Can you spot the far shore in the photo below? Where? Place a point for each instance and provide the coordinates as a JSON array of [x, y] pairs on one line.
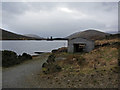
[[37, 39]]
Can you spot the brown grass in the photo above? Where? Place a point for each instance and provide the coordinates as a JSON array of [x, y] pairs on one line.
[[100, 42], [99, 69]]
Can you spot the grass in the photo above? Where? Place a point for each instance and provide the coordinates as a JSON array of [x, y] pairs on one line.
[[100, 42], [97, 68]]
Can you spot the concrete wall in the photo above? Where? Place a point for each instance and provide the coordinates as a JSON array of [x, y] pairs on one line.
[[89, 44]]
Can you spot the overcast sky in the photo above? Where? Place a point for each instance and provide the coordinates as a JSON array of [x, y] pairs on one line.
[[59, 19]]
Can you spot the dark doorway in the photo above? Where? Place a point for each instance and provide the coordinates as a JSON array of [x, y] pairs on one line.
[[79, 47]]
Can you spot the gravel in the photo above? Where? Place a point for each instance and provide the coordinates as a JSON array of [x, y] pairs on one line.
[[16, 76]]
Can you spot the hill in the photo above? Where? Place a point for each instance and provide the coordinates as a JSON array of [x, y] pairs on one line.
[[6, 35], [96, 69], [33, 36], [89, 34]]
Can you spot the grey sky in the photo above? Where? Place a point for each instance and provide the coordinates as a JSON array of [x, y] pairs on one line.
[[59, 19]]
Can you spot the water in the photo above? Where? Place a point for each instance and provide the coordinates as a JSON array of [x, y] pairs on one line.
[[31, 46]]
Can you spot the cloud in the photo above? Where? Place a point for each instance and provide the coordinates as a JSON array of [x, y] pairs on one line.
[[64, 9], [0, 14], [59, 19]]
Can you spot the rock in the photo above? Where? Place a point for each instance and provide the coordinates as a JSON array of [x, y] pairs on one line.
[[48, 77], [63, 49], [59, 83], [77, 70], [54, 51], [74, 59], [68, 80], [92, 75]]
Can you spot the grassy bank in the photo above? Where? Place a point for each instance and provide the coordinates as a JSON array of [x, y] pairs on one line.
[[96, 69]]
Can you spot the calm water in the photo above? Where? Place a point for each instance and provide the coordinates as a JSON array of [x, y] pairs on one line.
[[32, 46]]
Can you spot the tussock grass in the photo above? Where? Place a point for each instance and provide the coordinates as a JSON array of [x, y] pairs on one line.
[[96, 69]]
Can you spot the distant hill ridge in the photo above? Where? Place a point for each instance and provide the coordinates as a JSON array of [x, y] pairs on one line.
[[6, 35], [33, 35], [89, 34]]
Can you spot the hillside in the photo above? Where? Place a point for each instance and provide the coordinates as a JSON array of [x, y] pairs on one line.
[[96, 69], [89, 34], [33, 36], [6, 35]]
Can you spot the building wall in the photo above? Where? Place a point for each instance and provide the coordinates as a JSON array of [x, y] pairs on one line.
[[89, 44]]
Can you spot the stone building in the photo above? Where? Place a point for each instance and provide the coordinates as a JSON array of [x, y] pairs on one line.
[[80, 45]]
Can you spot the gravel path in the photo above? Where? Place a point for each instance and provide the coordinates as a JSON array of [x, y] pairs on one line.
[[16, 77], [0, 78]]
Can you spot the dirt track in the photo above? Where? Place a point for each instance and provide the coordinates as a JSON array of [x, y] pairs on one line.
[[16, 76]]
